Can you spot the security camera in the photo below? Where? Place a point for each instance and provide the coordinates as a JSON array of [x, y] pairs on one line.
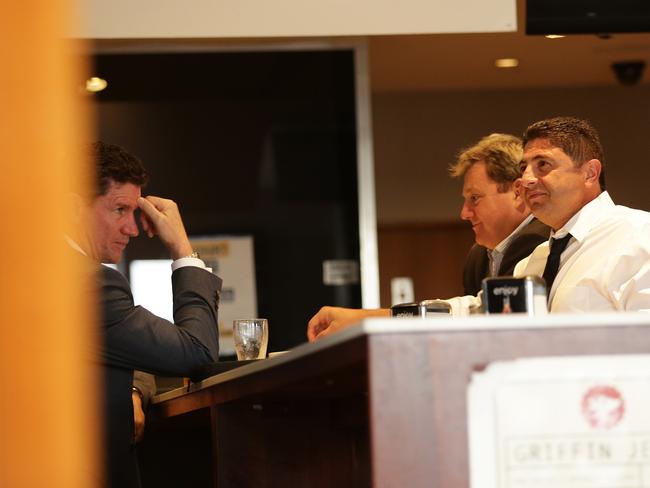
[[628, 72]]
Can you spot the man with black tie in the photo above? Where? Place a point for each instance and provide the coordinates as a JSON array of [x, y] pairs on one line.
[[598, 258], [503, 228], [132, 337]]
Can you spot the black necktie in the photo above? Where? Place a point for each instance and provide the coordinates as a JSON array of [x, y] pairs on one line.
[[553, 262]]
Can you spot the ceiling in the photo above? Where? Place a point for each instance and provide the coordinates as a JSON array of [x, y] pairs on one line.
[[466, 61], [427, 62]]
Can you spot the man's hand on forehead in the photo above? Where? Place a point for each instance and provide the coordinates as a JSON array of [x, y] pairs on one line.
[[161, 217], [147, 225]]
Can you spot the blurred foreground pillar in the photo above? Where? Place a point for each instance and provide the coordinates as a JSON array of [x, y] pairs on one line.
[[48, 401]]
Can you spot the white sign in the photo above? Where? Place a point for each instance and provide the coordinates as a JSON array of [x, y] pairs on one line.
[[232, 259], [570, 422], [337, 272], [151, 285]]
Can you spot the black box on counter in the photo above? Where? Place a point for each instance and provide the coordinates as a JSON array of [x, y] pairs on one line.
[[505, 294], [425, 308]]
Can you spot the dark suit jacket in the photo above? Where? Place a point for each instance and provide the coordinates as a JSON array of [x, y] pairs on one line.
[[477, 265], [134, 338], [146, 384]]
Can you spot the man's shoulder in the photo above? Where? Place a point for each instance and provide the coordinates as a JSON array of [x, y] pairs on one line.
[[477, 261], [111, 271], [111, 277], [529, 238], [624, 222], [476, 252], [523, 244], [629, 216], [535, 228]]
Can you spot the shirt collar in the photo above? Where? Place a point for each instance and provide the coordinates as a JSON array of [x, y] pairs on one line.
[[584, 220], [503, 245]]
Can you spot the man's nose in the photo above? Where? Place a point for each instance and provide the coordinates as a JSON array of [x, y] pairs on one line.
[[466, 212], [130, 227], [527, 177]]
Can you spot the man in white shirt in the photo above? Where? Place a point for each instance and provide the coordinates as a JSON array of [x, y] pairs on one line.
[[504, 230], [606, 263]]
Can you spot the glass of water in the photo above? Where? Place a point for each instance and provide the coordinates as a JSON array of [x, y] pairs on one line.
[[251, 338]]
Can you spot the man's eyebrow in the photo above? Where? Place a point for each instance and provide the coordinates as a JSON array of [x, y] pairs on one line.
[[118, 202], [539, 155]]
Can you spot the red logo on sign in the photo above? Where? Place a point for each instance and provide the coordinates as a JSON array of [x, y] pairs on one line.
[[603, 407]]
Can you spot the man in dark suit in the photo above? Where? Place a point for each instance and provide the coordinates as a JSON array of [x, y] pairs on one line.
[[132, 337], [504, 229], [477, 264]]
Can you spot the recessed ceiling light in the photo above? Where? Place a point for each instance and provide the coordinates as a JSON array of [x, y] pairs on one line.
[[506, 63], [95, 84], [554, 36]]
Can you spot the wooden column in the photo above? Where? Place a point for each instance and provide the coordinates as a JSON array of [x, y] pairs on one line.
[[48, 407]]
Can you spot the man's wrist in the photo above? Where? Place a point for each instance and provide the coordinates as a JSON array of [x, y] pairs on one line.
[[183, 251]]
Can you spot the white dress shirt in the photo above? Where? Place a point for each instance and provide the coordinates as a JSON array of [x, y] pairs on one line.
[[605, 267]]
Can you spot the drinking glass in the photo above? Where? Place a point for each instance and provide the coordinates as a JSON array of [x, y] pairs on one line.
[[251, 338]]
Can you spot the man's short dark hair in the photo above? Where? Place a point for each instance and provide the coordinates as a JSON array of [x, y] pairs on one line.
[[576, 137], [115, 164]]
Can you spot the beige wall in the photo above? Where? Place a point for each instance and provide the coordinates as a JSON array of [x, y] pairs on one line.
[[416, 136]]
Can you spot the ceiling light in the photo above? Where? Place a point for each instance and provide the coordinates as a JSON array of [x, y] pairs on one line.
[[506, 63], [95, 84], [554, 36]]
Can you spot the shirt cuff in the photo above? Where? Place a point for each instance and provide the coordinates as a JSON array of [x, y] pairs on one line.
[[195, 262], [461, 306]]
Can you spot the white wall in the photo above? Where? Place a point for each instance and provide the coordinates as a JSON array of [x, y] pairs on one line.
[[164, 19], [417, 135]]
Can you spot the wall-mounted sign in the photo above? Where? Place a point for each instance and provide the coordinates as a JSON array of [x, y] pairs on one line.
[[340, 272], [230, 257]]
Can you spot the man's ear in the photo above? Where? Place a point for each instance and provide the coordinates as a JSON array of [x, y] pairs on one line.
[[591, 170], [518, 190]]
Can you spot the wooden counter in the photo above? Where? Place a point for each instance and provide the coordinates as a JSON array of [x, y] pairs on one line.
[[382, 404]]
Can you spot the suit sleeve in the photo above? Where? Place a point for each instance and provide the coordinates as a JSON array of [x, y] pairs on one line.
[[476, 268], [146, 384], [134, 338]]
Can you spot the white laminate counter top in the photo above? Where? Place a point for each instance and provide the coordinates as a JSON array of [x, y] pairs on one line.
[[446, 324]]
